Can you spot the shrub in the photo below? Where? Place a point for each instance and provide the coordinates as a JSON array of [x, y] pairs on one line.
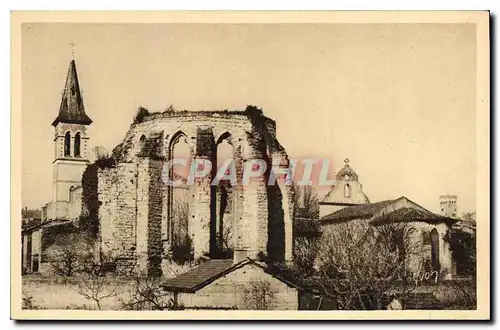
[[140, 115]]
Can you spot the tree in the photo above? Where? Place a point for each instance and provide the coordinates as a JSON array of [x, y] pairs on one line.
[[360, 264], [95, 288], [170, 108], [469, 216], [67, 252], [305, 252], [181, 242], [140, 115], [306, 203], [463, 250], [93, 285], [146, 294], [100, 152], [27, 300], [306, 245], [259, 295]]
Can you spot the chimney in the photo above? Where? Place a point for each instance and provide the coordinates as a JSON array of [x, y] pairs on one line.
[[239, 256]]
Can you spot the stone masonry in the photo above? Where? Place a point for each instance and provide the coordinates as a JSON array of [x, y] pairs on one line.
[[133, 197]]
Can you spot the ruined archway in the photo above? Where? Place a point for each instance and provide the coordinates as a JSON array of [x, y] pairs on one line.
[[175, 218], [261, 215], [222, 195]]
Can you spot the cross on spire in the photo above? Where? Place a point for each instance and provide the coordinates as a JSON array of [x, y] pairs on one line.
[[72, 44], [72, 110]]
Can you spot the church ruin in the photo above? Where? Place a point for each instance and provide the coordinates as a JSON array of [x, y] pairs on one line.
[[136, 207]]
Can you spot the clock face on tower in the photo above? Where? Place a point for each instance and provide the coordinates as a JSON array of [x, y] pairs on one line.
[[346, 177]]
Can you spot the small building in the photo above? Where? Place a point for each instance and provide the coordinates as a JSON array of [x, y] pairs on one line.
[[346, 202], [224, 284], [34, 242]]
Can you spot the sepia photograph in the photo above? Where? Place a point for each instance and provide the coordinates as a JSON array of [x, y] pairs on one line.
[[230, 165]]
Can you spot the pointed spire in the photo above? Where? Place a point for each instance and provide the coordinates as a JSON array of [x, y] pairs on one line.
[[71, 110]]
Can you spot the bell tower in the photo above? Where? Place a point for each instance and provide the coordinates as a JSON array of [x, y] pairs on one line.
[[70, 144]]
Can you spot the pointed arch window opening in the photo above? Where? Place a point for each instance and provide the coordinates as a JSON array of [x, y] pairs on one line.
[[77, 144], [142, 145], [67, 144], [177, 222], [347, 191], [222, 202], [435, 262]]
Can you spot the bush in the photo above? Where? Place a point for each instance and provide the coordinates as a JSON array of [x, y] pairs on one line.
[[140, 115], [68, 253]]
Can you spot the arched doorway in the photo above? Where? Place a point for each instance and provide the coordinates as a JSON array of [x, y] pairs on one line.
[[435, 250]]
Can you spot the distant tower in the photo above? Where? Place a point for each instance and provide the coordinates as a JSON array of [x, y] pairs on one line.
[[70, 144], [346, 191], [448, 205]]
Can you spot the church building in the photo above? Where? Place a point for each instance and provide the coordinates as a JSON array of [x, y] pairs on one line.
[[346, 202], [71, 151]]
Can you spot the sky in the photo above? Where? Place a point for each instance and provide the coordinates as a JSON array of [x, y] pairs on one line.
[[398, 100]]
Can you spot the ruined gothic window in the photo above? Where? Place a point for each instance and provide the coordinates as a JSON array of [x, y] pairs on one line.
[[347, 191], [67, 144], [77, 145], [142, 144]]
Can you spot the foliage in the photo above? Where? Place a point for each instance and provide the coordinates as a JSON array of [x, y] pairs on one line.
[[306, 202], [259, 295], [181, 247], [170, 108], [305, 252], [140, 115], [27, 300], [307, 243], [459, 295], [146, 294], [106, 162], [463, 249], [359, 264], [100, 152], [74, 254], [93, 284], [95, 288], [65, 256]]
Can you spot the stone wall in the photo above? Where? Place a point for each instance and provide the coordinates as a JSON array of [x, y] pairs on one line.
[[245, 288], [134, 199], [118, 211]]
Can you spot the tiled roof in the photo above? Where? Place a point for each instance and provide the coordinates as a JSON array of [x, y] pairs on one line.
[[196, 277], [209, 271], [71, 109], [363, 211], [39, 225], [409, 214], [389, 211]]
